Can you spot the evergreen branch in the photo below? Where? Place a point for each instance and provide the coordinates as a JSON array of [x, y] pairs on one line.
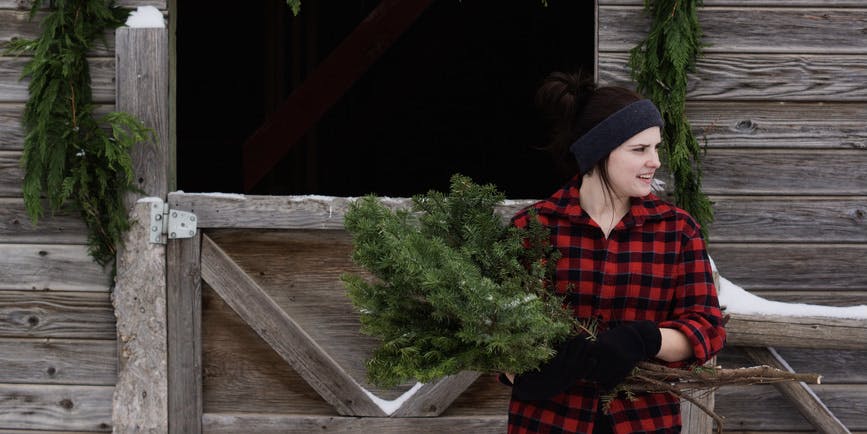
[[68, 154], [455, 288], [659, 65]]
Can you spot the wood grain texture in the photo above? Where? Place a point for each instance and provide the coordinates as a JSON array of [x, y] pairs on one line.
[[184, 334], [749, 30], [753, 124], [79, 315], [695, 420], [485, 397], [795, 172], [434, 397], [761, 408], [58, 361], [788, 219], [241, 373], [139, 299], [835, 366], [143, 91], [44, 267], [799, 394], [790, 267], [55, 407], [751, 3], [64, 227], [14, 90], [11, 131], [769, 77], [796, 332], [11, 174], [826, 298], [237, 211], [282, 333], [27, 4], [231, 423]]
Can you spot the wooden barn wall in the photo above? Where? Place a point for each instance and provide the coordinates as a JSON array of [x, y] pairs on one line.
[[58, 357], [780, 101]]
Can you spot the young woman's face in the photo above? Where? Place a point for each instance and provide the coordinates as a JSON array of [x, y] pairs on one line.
[[632, 164]]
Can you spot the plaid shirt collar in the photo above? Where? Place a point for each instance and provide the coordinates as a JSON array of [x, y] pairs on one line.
[[565, 204]]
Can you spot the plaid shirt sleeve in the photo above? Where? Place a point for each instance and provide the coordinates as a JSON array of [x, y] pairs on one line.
[[696, 310]]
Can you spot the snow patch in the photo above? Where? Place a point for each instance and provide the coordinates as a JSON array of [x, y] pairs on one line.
[[146, 17], [737, 300], [390, 407]]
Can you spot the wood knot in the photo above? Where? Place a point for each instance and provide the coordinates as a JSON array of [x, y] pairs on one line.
[[43, 253], [33, 321], [51, 370], [67, 404], [746, 125]]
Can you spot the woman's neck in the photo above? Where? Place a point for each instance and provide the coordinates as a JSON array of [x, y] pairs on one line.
[[604, 206]]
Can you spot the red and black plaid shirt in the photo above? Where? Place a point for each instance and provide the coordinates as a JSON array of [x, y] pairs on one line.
[[653, 266]]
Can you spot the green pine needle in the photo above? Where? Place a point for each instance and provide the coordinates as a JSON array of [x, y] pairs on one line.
[[455, 288], [659, 65], [71, 157]]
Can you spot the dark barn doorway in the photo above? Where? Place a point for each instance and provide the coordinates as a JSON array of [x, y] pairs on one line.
[[453, 94]]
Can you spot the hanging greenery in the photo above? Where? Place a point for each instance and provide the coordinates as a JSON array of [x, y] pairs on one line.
[[659, 65], [70, 155]]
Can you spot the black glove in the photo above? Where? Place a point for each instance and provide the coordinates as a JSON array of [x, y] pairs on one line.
[[619, 349], [556, 375]]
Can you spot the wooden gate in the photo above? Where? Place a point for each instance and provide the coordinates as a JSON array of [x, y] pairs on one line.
[[262, 337]]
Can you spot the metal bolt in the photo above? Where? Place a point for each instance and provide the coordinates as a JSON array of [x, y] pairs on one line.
[[174, 235], [158, 217], [174, 214], [154, 228]]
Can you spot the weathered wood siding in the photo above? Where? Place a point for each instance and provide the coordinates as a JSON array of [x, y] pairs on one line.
[[780, 100], [58, 350]]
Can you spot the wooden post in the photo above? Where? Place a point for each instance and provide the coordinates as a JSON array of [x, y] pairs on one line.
[[143, 91], [139, 402], [184, 325]]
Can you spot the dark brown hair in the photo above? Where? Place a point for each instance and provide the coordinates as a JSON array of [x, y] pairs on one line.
[[572, 105]]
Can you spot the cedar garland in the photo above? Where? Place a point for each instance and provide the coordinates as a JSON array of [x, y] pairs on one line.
[[659, 65], [70, 155]]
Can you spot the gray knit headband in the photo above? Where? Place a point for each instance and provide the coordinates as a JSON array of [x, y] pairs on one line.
[[607, 135]]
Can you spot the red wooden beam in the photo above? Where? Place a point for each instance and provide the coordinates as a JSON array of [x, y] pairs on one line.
[[325, 85]]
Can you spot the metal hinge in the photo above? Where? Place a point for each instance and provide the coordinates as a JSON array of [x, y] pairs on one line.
[[171, 224]]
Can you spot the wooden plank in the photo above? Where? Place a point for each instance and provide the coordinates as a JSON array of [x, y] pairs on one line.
[[695, 420], [238, 211], [433, 398], [749, 30], [241, 373], [801, 172], [788, 219], [139, 299], [804, 399], [58, 361], [769, 77], [835, 366], [11, 131], [752, 3], [26, 4], [14, 90], [827, 298], [790, 267], [143, 91], [324, 86], [282, 333], [486, 397], [65, 227], [184, 334], [45, 267], [272, 423], [796, 332], [761, 408], [54, 407], [301, 271], [79, 315], [11, 174], [753, 124]]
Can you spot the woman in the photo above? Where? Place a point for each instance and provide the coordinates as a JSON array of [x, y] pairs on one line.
[[632, 263]]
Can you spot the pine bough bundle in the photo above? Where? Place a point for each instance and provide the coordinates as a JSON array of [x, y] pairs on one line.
[[456, 288]]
